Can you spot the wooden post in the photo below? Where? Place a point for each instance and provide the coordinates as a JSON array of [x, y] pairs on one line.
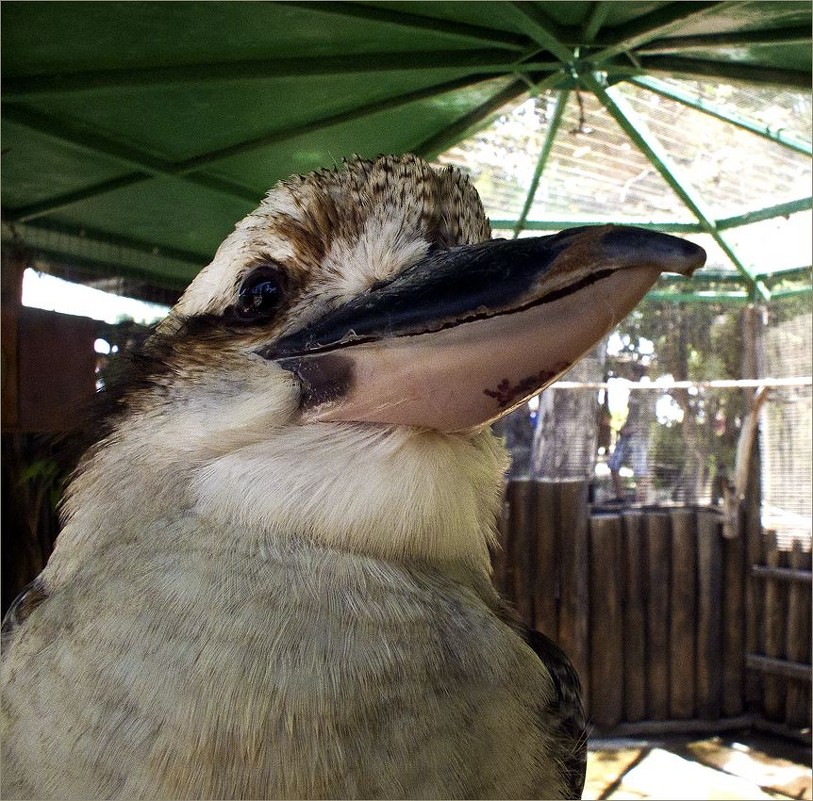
[[606, 622], [12, 267], [574, 614], [521, 556], [546, 618], [734, 579], [683, 604], [773, 696], [752, 325], [658, 557], [709, 616], [634, 575], [797, 714]]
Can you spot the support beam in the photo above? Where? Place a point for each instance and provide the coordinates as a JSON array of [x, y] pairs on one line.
[[769, 213], [132, 258], [709, 68], [104, 238], [788, 273], [692, 100], [647, 143], [81, 135], [39, 209], [573, 222], [713, 41], [85, 136], [595, 19], [792, 293], [553, 128], [365, 110], [420, 22], [544, 30], [494, 60], [479, 117], [650, 26], [698, 297], [707, 275]]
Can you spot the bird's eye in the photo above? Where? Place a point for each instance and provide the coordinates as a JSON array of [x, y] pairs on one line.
[[260, 294]]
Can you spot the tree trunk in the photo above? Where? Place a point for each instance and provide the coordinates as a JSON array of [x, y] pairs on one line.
[[565, 436]]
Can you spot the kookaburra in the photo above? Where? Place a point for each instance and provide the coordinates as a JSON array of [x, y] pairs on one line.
[[273, 575]]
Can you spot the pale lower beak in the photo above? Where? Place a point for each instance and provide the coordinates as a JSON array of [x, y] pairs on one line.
[[467, 334]]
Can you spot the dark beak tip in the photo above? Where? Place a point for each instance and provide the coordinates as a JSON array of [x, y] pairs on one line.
[[668, 253]]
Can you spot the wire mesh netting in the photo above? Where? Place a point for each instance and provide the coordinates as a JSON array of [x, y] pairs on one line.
[[786, 443], [730, 168], [646, 429]]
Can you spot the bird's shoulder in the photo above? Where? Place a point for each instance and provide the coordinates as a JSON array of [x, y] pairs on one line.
[[564, 713]]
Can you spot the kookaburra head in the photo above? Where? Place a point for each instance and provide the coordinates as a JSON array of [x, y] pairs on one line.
[[273, 576], [362, 320]]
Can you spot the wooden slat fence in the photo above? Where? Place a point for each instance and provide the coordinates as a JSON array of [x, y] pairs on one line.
[[782, 653], [651, 606]]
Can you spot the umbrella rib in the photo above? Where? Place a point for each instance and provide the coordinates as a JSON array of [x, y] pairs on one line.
[[149, 166], [720, 69], [648, 144], [544, 153], [492, 59], [415, 21], [479, 117], [693, 100], [651, 26]]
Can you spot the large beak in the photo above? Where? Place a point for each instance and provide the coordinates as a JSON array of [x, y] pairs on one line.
[[467, 334]]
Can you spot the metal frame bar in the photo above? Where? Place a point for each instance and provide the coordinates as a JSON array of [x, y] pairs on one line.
[[365, 110], [694, 297], [708, 68], [768, 213], [489, 59], [550, 136], [544, 30], [32, 211], [675, 44], [792, 293], [747, 218], [166, 266], [160, 277], [595, 19], [732, 276], [560, 225], [81, 135], [416, 21], [649, 145], [687, 99], [119, 241], [481, 116], [788, 273], [84, 136], [650, 27]]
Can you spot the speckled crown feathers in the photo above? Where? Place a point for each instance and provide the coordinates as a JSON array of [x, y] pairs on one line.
[[442, 202]]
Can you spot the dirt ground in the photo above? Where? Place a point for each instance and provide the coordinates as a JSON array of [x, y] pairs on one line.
[[731, 766]]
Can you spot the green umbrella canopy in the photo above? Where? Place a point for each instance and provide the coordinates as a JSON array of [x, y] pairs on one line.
[[135, 135]]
